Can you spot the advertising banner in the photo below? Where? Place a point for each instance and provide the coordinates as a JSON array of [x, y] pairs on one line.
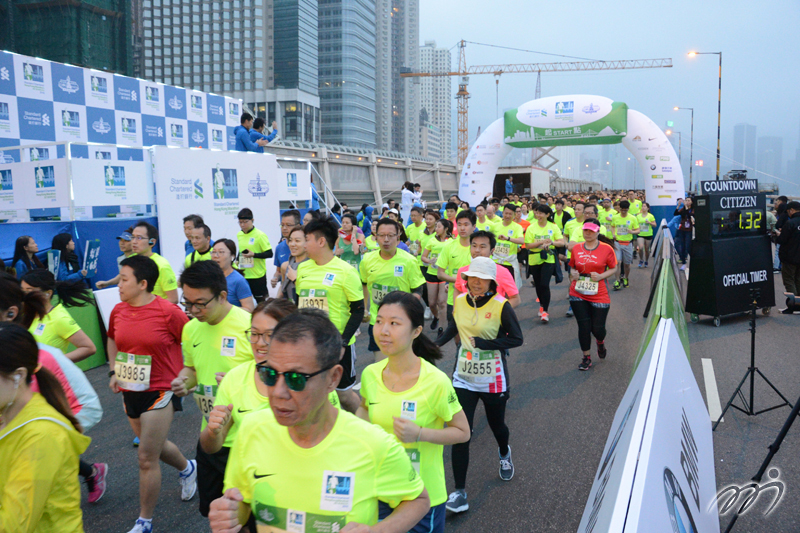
[[110, 182], [573, 120], [90, 257], [293, 185], [42, 184]]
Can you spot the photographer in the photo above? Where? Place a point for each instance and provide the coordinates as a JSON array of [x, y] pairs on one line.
[[788, 237]]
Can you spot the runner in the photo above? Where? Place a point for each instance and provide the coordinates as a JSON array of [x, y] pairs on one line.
[[481, 244], [223, 253], [385, 271], [242, 391], [636, 204], [297, 247], [40, 442], [451, 209], [57, 328], [370, 244], [624, 227], [492, 217], [349, 241], [453, 256], [509, 236], [482, 222], [410, 398], [414, 231], [542, 239], [254, 249], [289, 220], [126, 248], [325, 466], [605, 213], [201, 244], [593, 261], [144, 239], [331, 285], [481, 371], [191, 222], [437, 293], [573, 233], [214, 342], [646, 224]]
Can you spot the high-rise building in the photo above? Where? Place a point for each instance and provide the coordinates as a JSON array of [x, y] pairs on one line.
[[229, 47], [770, 158], [744, 146], [347, 72], [397, 51], [431, 142], [436, 95]]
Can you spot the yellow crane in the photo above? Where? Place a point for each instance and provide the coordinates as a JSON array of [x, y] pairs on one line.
[[570, 66]]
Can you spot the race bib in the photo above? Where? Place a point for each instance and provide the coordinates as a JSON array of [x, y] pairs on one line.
[[433, 257], [587, 286], [40, 329], [503, 249], [205, 395], [409, 410], [414, 248], [414, 455], [246, 262], [271, 519], [622, 230], [337, 491], [133, 371], [228, 347], [316, 298], [477, 366], [379, 292]]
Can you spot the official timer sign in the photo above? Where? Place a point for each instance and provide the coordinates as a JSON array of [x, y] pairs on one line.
[[731, 252]]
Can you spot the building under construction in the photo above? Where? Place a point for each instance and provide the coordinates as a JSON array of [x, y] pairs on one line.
[[88, 33]]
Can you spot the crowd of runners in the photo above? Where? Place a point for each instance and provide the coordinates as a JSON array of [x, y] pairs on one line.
[[290, 436]]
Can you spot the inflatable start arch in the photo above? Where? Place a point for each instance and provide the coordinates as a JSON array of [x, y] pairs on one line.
[[576, 120]]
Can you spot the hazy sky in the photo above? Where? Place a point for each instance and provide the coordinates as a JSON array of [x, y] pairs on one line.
[[760, 71]]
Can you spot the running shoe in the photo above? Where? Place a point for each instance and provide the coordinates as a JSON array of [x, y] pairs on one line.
[[586, 364], [506, 466], [537, 299], [97, 482], [645, 264], [428, 314], [635, 254], [545, 317], [435, 323], [189, 482], [569, 311], [617, 285], [683, 267], [641, 264], [142, 527], [601, 351], [439, 332], [457, 502], [787, 311], [541, 310], [135, 442], [625, 282]]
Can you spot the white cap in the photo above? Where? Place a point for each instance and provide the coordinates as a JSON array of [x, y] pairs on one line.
[[481, 267], [395, 211]]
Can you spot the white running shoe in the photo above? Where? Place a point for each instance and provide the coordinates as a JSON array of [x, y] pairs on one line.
[[189, 483], [428, 314], [142, 527]]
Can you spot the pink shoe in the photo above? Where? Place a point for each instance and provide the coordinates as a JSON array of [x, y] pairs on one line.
[[97, 482], [541, 311], [545, 317]]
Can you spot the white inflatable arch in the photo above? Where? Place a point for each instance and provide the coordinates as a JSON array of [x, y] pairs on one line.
[[576, 120]]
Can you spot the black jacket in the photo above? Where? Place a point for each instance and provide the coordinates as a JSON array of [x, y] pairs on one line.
[[789, 239]]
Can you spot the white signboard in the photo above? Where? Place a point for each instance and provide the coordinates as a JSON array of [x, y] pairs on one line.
[[293, 185], [102, 182]]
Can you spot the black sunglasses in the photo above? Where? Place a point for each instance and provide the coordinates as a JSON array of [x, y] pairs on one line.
[[296, 381]]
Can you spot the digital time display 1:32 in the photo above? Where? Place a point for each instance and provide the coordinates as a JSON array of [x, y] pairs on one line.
[[737, 221]]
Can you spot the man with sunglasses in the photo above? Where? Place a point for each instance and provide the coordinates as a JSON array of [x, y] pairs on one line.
[[388, 270], [328, 283], [214, 342], [303, 462]]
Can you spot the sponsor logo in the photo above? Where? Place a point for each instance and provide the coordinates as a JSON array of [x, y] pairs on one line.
[[657, 187], [589, 109], [657, 176], [198, 188], [33, 72], [670, 181], [649, 157], [680, 516], [565, 110], [128, 125], [664, 158], [196, 102], [6, 181], [664, 196], [652, 138], [4, 112], [150, 94], [5, 158], [637, 139], [198, 137], [114, 176], [175, 103], [652, 167], [45, 177], [469, 165], [216, 136], [233, 109], [39, 154], [226, 184], [102, 155], [176, 131], [295, 521], [70, 119], [68, 86], [5, 75], [666, 169], [215, 110], [99, 85], [258, 188]]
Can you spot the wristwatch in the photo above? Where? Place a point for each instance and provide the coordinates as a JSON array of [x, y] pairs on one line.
[[112, 373]]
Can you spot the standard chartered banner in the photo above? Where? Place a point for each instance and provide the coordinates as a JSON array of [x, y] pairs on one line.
[[566, 121], [109, 182]]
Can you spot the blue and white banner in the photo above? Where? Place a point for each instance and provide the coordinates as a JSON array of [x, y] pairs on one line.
[[44, 101]]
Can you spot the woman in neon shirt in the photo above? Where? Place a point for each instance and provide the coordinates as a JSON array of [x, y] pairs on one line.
[[437, 289], [646, 222]]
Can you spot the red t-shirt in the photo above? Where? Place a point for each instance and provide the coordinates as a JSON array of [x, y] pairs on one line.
[[587, 261], [154, 329], [49, 362], [505, 283]]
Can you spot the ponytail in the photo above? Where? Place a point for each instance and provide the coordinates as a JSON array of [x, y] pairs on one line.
[[31, 305], [603, 238], [423, 347], [70, 293], [51, 389]]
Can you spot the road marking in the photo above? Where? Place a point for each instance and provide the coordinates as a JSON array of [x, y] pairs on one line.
[[712, 394]]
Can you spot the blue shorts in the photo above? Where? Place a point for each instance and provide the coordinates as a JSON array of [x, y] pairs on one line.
[[432, 522]]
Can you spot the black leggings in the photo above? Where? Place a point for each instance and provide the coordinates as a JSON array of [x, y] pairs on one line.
[[541, 280], [495, 406], [85, 469], [591, 321]]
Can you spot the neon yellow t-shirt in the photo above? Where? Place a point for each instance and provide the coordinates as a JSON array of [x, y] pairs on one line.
[[414, 233], [494, 222], [371, 244], [257, 242], [196, 256], [434, 246], [55, 328], [636, 207], [644, 224], [423, 242], [211, 349], [452, 257], [330, 287], [400, 273], [488, 225], [576, 232], [166, 277], [537, 233], [239, 389], [623, 227], [605, 216], [430, 403], [340, 480], [505, 250], [569, 210]]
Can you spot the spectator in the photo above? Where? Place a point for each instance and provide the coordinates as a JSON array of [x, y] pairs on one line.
[[126, 248], [789, 239], [69, 266], [365, 219], [25, 256], [257, 133], [683, 237], [780, 220], [242, 133], [509, 185]]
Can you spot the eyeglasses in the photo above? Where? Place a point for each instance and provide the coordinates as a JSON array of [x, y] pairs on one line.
[[139, 238], [199, 305], [386, 235], [296, 381], [254, 336]]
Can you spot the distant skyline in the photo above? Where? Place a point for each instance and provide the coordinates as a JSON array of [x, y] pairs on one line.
[[760, 71]]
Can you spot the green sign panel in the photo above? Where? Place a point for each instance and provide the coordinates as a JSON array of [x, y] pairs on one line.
[[578, 127]]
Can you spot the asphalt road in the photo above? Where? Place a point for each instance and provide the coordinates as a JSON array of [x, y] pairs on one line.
[[559, 419]]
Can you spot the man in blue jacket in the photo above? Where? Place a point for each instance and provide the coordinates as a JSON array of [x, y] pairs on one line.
[[257, 133], [242, 133]]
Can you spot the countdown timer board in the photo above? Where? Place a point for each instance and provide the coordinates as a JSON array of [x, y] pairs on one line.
[[730, 215]]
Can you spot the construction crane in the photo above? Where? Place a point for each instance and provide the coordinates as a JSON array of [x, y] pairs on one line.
[[572, 66]]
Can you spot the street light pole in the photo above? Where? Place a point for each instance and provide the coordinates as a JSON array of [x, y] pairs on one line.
[[719, 99], [691, 145]]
